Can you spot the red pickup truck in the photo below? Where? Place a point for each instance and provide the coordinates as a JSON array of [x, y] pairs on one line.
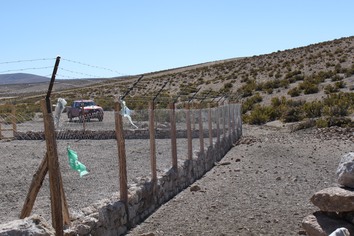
[[91, 110]]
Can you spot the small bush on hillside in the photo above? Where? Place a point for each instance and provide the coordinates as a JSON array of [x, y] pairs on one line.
[[258, 116], [249, 103], [310, 88], [336, 78], [340, 84], [340, 121], [276, 102], [294, 92], [291, 114], [313, 109], [321, 123], [330, 89]]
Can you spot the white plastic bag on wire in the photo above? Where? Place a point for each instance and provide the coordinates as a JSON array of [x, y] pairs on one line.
[[58, 110], [125, 112]]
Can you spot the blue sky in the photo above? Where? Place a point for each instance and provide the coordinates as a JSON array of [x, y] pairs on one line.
[[133, 37]]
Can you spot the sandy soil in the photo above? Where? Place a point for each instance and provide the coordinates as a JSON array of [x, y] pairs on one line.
[[261, 187]]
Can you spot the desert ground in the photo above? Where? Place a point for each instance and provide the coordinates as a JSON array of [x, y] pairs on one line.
[[261, 187]]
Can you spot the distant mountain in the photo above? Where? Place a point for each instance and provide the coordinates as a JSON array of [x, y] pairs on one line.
[[21, 78]]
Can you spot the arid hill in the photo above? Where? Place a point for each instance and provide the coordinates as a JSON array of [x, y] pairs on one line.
[[303, 74]]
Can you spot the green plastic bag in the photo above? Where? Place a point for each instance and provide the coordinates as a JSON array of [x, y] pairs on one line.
[[75, 164]]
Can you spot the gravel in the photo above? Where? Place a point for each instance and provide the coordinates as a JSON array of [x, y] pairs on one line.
[[261, 187]]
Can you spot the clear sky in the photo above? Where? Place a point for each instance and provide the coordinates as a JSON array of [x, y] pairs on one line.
[[132, 37]]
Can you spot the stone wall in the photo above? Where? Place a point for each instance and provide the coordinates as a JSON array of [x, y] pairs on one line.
[[109, 134], [111, 218]]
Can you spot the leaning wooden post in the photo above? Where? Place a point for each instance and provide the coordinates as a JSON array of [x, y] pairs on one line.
[[53, 168], [123, 183], [201, 131], [152, 143], [189, 132], [35, 186], [173, 135], [210, 126]]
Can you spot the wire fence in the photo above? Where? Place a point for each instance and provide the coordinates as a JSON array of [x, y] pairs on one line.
[[98, 151], [135, 146]]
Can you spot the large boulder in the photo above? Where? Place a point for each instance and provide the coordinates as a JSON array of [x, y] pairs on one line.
[[334, 199], [320, 224], [34, 225], [345, 170]]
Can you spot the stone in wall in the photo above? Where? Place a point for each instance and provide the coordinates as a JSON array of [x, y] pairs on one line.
[[33, 225]]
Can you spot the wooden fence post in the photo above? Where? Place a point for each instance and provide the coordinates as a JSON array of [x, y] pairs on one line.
[[223, 120], [229, 119], [54, 170], [217, 116], [152, 143], [234, 121], [173, 136], [14, 127], [123, 183], [201, 131], [189, 132], [193, 116], [35, 186], [210, 126]]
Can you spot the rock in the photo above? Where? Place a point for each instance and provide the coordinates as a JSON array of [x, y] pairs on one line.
[[334, 199], [345, 170], [340, 232], [195, 188], [33, 225], [320, 224]]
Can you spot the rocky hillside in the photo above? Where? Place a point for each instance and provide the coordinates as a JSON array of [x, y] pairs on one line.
[[292, 77], [329, 66]]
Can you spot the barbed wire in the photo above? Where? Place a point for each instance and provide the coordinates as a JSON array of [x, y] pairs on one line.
[[71, 71], [28, 60], [93, 66], [25, 69], [79, 73]]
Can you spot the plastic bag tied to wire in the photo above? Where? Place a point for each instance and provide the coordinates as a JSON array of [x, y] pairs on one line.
[[58, 110], [126, 112], [75, 164]]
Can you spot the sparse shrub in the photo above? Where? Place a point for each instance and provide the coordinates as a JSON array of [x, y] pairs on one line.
[[291, 114], [107, 103], [276, 102], [269, 90], [313, 109], [336, 78], [321, 123], [258, 116], [249, 103], [330, 89], [339, 121], [310, 88], [294, 92], [340, 84]]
